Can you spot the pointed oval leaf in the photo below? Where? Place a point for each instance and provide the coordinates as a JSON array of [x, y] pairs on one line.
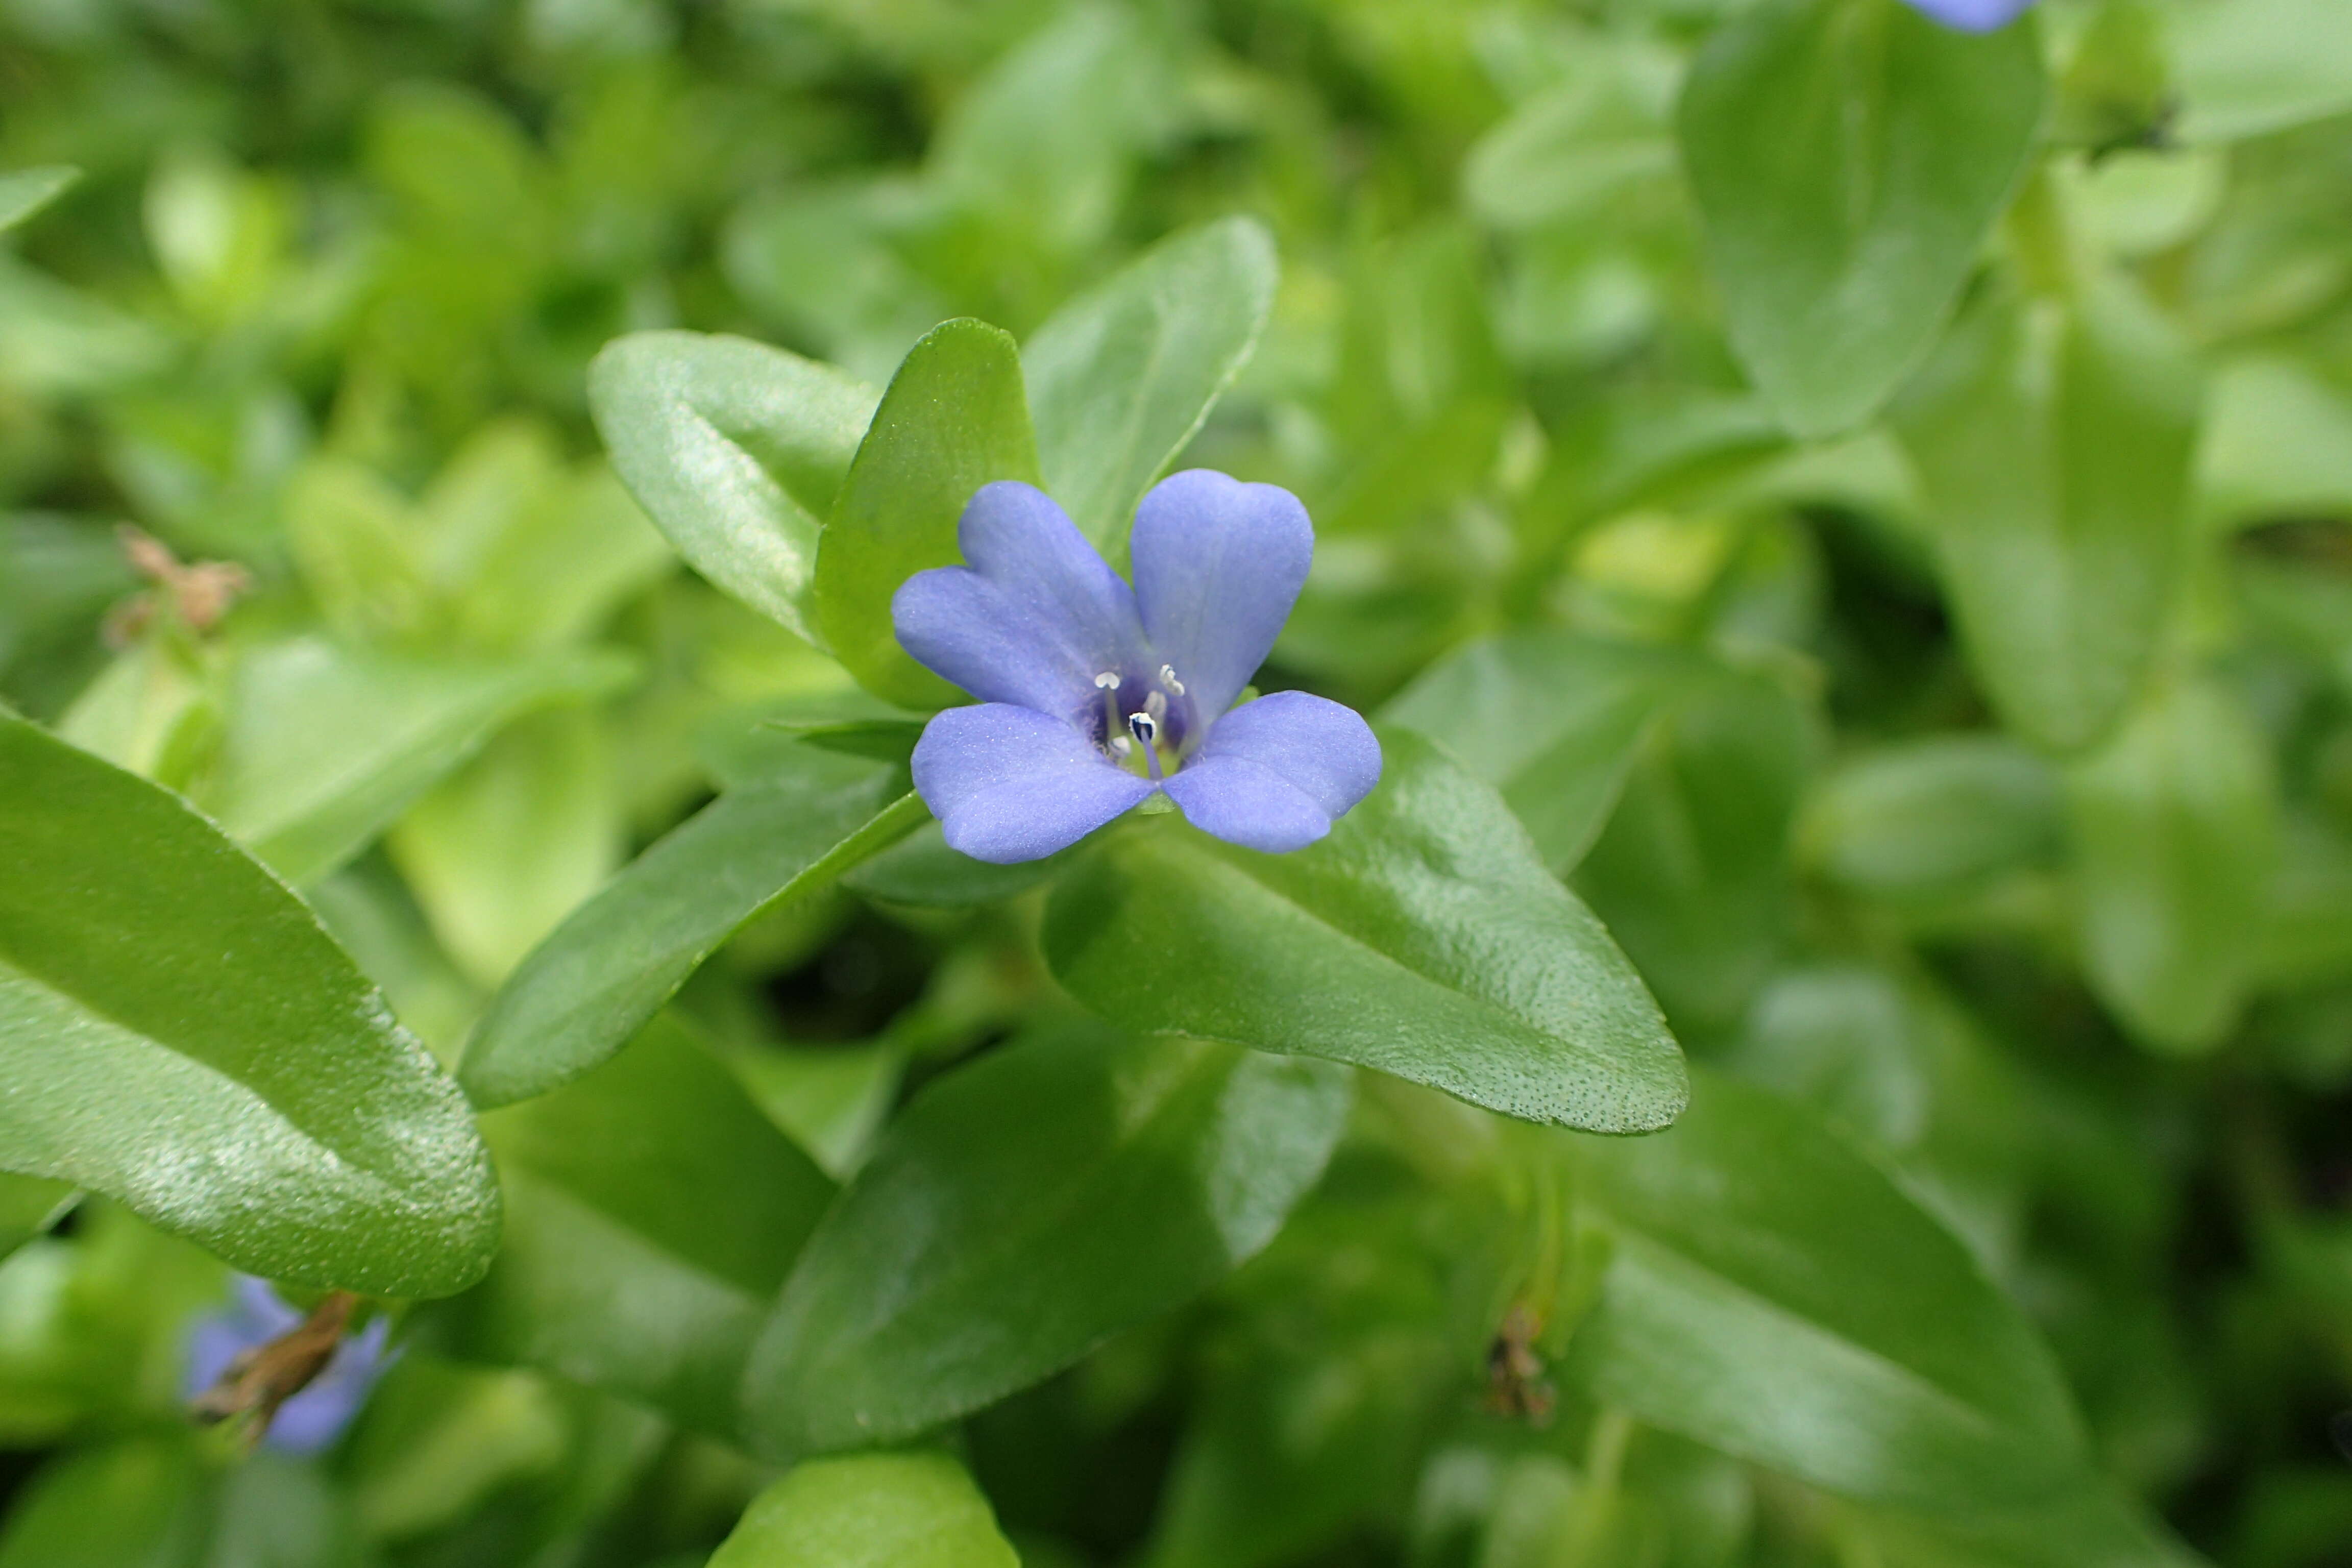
[[2175, 835], [24, 192], [1121, 377], [2053, 439], [324, 745], [652, 1215], [955, 418], [1024, 1210], [1848, 158], [1552, 719], [736, 450], [869, 1510], [1773, 1293], [602, 975], [1424, 937], [177, 1032]]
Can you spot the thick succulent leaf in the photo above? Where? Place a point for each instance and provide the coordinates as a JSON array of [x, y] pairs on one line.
[[1848, 158], [1024, 1210], [1121, 377], [1424, 937], [955, 418], [736, 451], [652, 1213], [869, 1510], [603, 974], [1775, 1294], [177, 1032]]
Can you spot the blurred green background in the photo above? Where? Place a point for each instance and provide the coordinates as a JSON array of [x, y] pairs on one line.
[[321, 305]]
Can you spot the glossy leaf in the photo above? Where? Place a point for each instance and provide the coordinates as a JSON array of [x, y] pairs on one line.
[[603, 974], [1121, 377], [954, 419], [1024, 1210], [2175, 835], [1775, 1295], [2054, 440], [24, 192], [1424, 937], [869, 1510], [1848, 158], [736, 451], [652, 1213], [324, 745], [1551, 719], [178, 1033]]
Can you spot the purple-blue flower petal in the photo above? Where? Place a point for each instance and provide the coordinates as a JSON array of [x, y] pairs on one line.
[[1972, 15], [1274, 772], [1011, 784], [1034, 614], [1218, 564]]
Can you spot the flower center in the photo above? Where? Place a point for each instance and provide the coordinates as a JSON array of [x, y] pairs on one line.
[[1148, 737]]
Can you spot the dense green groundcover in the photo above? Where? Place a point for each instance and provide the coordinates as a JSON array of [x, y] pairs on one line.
[[1842, 527]]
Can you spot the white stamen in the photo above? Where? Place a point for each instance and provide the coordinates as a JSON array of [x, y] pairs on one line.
[[1157, 706], [1107, 681], [1168, 679], [1120, 746]]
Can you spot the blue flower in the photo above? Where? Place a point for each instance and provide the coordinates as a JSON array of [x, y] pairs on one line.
[[313, 1418], [1972, 15], [1094, 695]]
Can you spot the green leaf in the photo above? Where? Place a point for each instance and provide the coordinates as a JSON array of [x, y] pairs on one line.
[[2052, 440], [500, 851], [2084, 1526], [736, 450], [1023, 1211], [921, 872], [1121, 377], [2176, 837], [1932, 816], [1774, 1294], [2277, 443], [1691, 873], [870, 1510], [652, 1213], [1552, 719], [178, 1033], [1848, 158], [954, 419], [2247, 68], [324, 745], [138, 1501], [603, 974], [29, 1206], [24, 192], [1424, 937]]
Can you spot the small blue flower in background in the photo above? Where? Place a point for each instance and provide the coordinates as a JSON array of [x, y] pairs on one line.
[[1972, 15], [1094, 695], [311, 1419]]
